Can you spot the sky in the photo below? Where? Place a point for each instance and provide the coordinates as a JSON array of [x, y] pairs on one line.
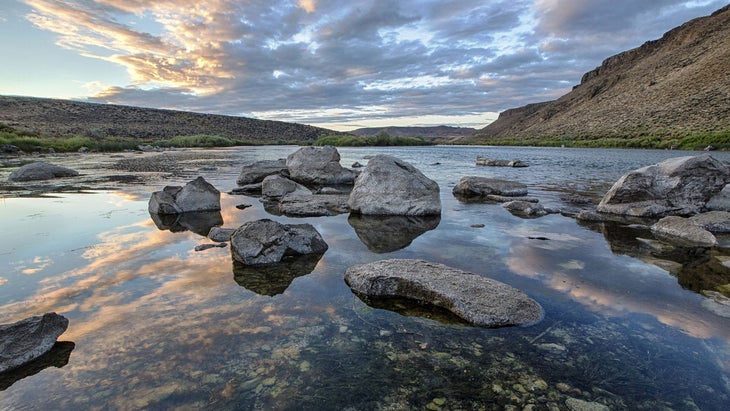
[[330, 63]]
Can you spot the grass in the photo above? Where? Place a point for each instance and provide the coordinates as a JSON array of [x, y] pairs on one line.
[[380, 140]]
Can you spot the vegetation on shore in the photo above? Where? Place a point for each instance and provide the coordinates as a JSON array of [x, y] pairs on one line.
[[379, 140]]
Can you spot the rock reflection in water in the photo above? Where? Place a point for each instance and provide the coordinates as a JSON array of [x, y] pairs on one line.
[[412, 308], [384, 234], [696, 268], [57, 357], [273, 279], [199, 222]]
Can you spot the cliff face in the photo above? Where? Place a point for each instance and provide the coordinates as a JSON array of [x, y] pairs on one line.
[[679, 84], [71, 118]]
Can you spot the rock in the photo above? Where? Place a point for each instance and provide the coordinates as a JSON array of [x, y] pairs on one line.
[[243, 206], [274, 279], [9, 148], [390, 186], [356, 165], [275, 187], [28, 339], [473, 186], [295, 205], [716, 303], [385, 234], [714, 221], [525, 208], [677, 186], [197, 195], [203, 247], [199, 222], [247, 189], [575, 404], [318, 166], [506, 199], [486, 161], [683, 231], [329, 190], [58, 357], [220, 234], [267, 242], [721, 200], [83, 150], [478, 300], [256, 172], [40, 171]]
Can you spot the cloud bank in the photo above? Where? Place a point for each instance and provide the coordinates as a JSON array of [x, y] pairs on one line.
[[348, 64]]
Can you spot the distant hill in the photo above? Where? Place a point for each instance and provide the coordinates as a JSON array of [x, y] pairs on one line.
[[675, 86], [438, 133], [64, 118]]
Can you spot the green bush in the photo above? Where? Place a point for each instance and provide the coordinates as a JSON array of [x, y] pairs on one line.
[[198, 140], [381, 139]]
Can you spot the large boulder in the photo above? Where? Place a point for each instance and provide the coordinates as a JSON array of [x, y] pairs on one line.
[[40, 171], [28, 339], [318, 166], [275, 187], [482, 187], [390, 186], [256, 172], [677, 186], [267, 242], [197, 195], [476, 299]]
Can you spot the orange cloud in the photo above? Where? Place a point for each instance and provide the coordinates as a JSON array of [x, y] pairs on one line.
[[310, 6]]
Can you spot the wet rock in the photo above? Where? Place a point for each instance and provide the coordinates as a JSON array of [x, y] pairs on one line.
[[385, 234], [390, 186], [275, 187], [28, 339], [267, 242], [318, 166], [478, 300], [242, 206], [40, 171], [574, 404], [473, 186], [203, 247], [199, 222], [677, 186], [525, 209], [295, 205], [274, 279], [490, 162], [256, 172], [196, 195], [220, 234], [714, 221], [247, 189], [683, 231]]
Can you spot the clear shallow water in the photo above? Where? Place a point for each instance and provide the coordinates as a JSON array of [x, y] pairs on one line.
[[157, 325]]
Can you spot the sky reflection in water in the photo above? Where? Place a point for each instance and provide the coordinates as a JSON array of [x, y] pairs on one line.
[[156, 324]]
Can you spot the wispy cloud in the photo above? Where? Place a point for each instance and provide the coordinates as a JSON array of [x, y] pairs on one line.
[[416, 58]]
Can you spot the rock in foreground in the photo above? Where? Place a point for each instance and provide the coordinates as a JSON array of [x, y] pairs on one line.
[[677, 186], [40, 171], [267, 242], [478, 300], [390, 186], [197, 195], [28, 339]]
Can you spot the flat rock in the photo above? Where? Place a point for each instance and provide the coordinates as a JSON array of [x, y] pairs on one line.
[[256, 172], [313, 205], [318, 166], [390, 186], [478, 300], [28, 339], [683, 232], [474, 186], [40, 171], [714, 221], [267, 242]]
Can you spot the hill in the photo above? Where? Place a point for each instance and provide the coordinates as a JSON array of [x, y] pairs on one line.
[[438, 133], [65, 118], [665, 89]]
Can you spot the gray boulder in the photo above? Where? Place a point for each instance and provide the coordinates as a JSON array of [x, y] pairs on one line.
[[491, 162], [197, 195], [295, 205], [525, 208], [677, 186], [267, 242], [720, 201], [28, 339], [476, 299], [275, 187], [481, 187], [390, 186], [220, 234], [40, 171], [683, 231], [256, 172], [318, 166]]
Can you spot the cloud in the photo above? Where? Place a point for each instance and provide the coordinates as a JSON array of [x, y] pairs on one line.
[[415, 58]]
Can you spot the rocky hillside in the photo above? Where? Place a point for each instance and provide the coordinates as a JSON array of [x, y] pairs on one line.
[[65, 118], [675, 86], [438, 133]]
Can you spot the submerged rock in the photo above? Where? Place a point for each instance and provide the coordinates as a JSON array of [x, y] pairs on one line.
[[473, 186], [318, 166], [677, 186], [267, 242], [525, 208], [390, 186], [28, 339], [491, 162], [40, 171], [256, 172], [683, 231], [478, 300], [197, 195]]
